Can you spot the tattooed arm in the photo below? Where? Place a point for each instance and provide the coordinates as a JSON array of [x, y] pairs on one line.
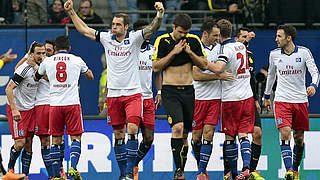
[[156, 22]]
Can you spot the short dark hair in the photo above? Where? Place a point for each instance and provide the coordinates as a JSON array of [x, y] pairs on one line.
[[208, 24], [238, 31], [36, 44], [183, 20], [289, 30], [125, 17], [140, 24], [225, 28], [61, 1], [62, 43], [90, 2], [51, 41]]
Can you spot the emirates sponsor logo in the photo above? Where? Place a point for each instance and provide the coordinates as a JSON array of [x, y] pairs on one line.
[[290, 72], [121, 53]]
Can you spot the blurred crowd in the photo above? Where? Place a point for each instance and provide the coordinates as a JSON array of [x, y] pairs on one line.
[[100, 11]]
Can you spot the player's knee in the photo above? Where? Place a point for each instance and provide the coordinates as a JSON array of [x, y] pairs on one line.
[[19, 144], [133, 128], [56, 140], [148, 139], [257, 135], [298, 140], [196, 139], [119, 131], [285, 133], [208, 135], [45, 141], [177, 130]]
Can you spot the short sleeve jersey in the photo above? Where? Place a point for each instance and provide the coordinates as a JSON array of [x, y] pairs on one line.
[[164, 44], [122, 59], [145, 71], [63, 71], [25, 92], [234, 54], [290, 71], [208, 90]]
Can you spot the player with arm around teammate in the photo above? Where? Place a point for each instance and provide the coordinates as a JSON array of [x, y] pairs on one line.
[[288, 63], [207, 87], [21, 92], [237, 117], [63, 70], [124, 89], [244, 36]]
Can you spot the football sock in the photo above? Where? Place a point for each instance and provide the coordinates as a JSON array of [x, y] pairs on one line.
[[205, 153], [286, 154]]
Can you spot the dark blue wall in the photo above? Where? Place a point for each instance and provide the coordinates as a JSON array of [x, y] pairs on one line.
[[91, 52]]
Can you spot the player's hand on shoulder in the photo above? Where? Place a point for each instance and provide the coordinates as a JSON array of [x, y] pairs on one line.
[[68, 6], [311, 91], [159, 7], [226, 75]]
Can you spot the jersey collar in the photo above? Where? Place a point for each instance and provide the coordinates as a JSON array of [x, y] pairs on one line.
[[228, 41], [294, 51], [113, 37], [64, 52]]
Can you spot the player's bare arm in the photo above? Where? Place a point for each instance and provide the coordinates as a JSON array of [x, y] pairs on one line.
[[89, 75], [82, 27], [200, 76], [200, 62], [156, 22], [158, 83], [9, 91], [216, 67], [160, 64]]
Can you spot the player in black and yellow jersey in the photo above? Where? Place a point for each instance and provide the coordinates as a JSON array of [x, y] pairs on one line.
[[176, 54]]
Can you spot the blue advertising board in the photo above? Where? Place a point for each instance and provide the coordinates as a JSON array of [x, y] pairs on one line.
[[98, 160]]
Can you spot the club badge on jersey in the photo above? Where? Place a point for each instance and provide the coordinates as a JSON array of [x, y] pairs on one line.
[[298, 59], [126, 42]]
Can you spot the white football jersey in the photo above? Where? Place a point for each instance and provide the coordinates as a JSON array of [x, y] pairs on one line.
[[43, 92], [290, 71], [145, 71], [63, 71], [208, 90], [25, 92], [122, 60], [234, 54]]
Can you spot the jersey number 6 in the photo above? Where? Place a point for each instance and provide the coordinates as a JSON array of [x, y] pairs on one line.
[[61, 74]]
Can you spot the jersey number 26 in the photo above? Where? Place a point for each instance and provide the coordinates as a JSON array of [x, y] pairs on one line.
[[244, 64]]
